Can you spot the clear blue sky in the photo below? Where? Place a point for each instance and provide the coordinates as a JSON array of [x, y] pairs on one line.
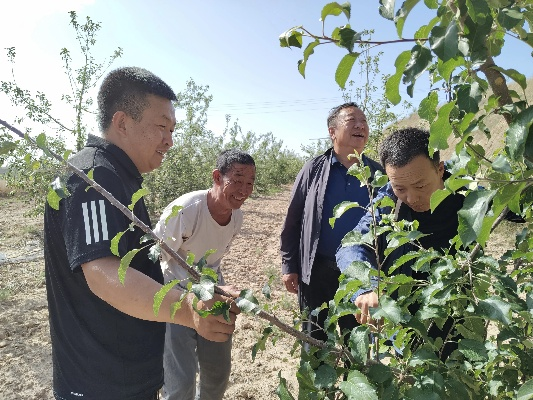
[[230, 45]]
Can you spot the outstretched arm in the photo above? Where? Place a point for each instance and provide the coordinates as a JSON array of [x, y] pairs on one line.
[[136, 296]]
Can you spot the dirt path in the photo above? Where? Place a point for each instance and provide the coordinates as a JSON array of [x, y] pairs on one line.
[[25, 350]]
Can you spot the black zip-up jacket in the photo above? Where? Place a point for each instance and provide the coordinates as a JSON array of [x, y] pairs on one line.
[[301, 230]]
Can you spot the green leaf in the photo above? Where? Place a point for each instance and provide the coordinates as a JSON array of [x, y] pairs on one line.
[[114, 243], [326, 376], [53, 199], [125, 263], [526, 391], [379, 373], [60, 187], [379, 180], [202, 262], [359, 342], [154, 253], [6, 147], [478, 10], [392, 85], [501, 164], [455, 183], [291, 38], [66, 154], [389, 309], [359, 270], [340, 209], [472, 213], [137, 196], [307, 52], [473, 350], [469, 97], [508, 195], [444, 41], [418, 63], [423, 355], [161, 293], [416, 393], [402, 15], [473, 328], [437, 197], [423, 32], [282, 391], [428, 107], [344, 68], [446, 68], [247, 302], [175, 307], [518, 134], [174, 213], [386, 9], [266, 290], [205, 289], [357, 387], [40, 140], [494, 309], [510, 17], [220, 308], [306, 377], [441, 129], [261, 343], [477, 33], [348, 38], [190, 258], [145, 238], [335, 9]]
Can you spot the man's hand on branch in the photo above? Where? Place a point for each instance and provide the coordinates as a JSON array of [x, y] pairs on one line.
[[364, 302], [214, 328]]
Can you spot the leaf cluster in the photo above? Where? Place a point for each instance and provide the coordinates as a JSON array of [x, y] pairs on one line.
[[486, 298]]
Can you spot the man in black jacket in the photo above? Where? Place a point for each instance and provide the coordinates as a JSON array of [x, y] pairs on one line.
[[414, 176], [308, 242], [107, 343]]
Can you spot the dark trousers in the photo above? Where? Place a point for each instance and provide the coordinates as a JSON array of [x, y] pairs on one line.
[[321, 289]]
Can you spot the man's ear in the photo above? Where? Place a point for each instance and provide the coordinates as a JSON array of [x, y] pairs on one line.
[[331, 131], [441, 169], [217, 177], [118, 123]]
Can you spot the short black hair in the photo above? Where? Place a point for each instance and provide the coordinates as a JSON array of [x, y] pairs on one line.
[[334, 113], [125, 89], [400, 147], [227, 158]]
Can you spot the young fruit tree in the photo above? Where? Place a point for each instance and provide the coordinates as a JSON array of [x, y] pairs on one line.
[[489, 299]]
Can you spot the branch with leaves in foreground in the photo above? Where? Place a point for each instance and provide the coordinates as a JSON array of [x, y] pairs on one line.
[[40, 143]]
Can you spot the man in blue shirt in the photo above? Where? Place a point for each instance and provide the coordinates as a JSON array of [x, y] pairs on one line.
[[308, 242]]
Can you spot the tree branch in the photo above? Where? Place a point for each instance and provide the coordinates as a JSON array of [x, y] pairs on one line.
[[193, 273]]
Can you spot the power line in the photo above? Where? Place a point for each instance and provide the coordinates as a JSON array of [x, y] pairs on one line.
[[274, 104], [268, 112]]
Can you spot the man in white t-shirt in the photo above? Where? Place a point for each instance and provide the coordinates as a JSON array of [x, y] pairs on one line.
[[209, 220]]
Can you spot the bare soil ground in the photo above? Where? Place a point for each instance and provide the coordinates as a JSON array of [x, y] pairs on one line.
[[25, 349]]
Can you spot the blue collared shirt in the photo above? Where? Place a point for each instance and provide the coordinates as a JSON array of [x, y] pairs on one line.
[[341, 187]]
